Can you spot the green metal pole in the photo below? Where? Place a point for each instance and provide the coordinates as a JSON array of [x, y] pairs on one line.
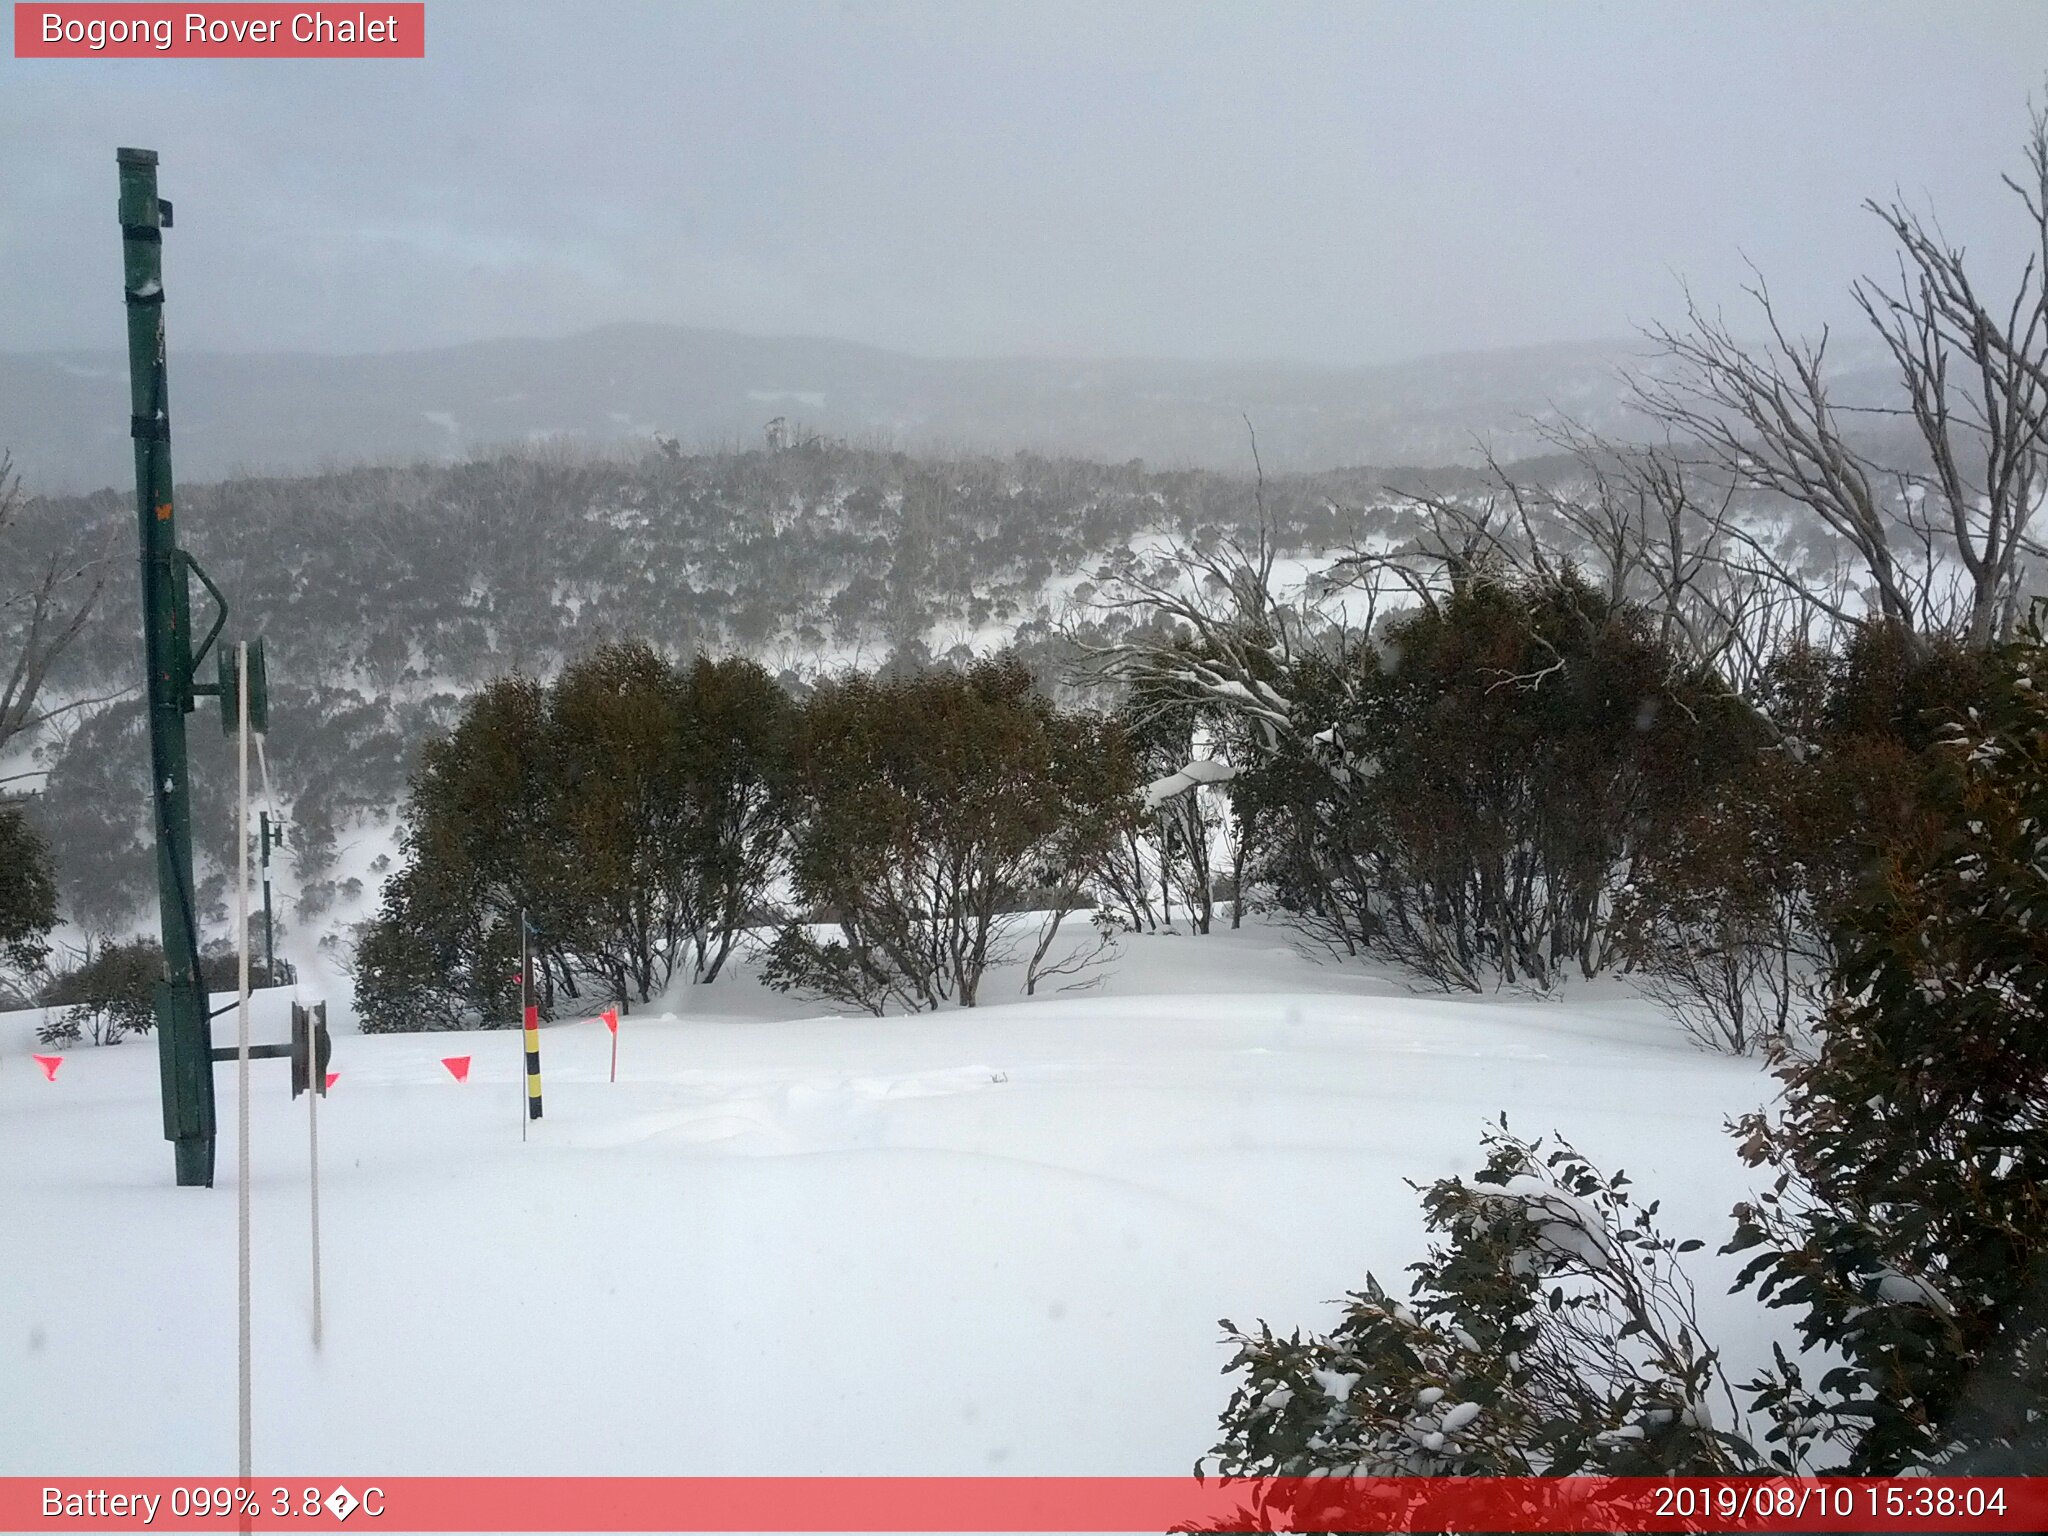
[[184, 1033]]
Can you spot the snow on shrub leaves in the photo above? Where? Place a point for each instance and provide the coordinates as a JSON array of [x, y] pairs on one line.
[[1548, 1332]]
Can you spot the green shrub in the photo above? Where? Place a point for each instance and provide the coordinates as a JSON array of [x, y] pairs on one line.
[[109, 994], [925, 805], [1908, 1224], [1548, 1332]]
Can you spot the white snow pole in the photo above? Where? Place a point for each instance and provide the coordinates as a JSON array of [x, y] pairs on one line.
[[316, 1079], [314, 1092], [246, 1460]]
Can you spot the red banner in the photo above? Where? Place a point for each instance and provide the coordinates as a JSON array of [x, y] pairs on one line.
[[1153, 1504], [100, 31]]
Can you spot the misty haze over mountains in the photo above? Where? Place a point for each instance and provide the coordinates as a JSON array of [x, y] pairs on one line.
[[66, 413]]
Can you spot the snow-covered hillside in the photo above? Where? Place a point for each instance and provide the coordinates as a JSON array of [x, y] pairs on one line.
[[996, 1240]]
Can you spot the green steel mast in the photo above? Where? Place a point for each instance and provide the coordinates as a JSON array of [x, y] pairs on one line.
[[183, 1029]]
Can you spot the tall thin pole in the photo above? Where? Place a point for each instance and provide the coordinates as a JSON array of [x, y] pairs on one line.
[[269, 935], [530, 1019], [184, 1035], [242, 1042], [525, 992], [318, 1090]]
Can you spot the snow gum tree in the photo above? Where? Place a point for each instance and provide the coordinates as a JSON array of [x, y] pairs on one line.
[[1972, 368], [1483, 772], [1183, 749], [635, 811], [669, 794], [28, 895], [932, 808], [443, 948], [738, 767]]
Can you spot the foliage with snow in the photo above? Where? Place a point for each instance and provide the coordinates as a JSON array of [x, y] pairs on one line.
[[1907, 1224], [1548, 1332]]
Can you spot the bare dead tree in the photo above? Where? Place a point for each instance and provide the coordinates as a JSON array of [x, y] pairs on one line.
[[43, 609], [1975, 380], [1977, 386], [1767, 419]]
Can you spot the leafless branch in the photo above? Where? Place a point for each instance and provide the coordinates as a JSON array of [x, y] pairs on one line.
[[39, 618], [1974, 378]]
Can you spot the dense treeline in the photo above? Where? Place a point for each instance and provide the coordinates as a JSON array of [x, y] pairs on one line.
[[893, 835], [1512, 783], [463, 572], [1519, 781]]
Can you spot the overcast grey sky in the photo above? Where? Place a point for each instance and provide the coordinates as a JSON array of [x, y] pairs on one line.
[[1338, 183]]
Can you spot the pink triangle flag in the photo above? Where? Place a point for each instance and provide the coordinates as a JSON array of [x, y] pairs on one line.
[[333, 1078], [458, 1067], [611, 1019], [50, 1064]]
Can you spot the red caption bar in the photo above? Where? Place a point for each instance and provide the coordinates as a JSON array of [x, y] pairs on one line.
[[101, 31], [1066, 1504]]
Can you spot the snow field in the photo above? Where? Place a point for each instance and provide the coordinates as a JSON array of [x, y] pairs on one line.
[[977, 1242]]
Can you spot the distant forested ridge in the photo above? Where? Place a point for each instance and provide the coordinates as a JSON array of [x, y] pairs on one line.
[[386, 595]]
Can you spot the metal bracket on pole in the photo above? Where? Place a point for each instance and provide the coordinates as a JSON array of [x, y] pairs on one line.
[[220, 619]]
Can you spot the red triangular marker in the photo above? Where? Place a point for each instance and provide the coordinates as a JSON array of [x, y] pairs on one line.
[[50, 1064], [611, 1019], [458, 1067], [333, 1078]]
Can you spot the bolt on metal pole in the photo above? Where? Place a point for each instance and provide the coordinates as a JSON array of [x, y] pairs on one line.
[[184, 1034]]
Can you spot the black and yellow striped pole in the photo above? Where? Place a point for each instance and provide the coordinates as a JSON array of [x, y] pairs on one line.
[[531, 1013]]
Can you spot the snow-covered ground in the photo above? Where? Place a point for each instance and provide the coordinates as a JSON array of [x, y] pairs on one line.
[[987, 1241]]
